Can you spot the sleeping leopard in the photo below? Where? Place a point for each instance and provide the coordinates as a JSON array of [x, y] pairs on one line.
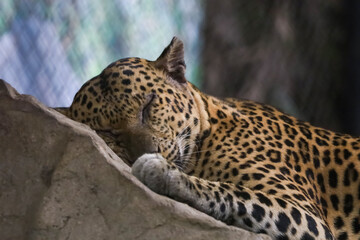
[[244, 163]]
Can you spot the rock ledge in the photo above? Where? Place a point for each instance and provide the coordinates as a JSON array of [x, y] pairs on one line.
[[59, 180]]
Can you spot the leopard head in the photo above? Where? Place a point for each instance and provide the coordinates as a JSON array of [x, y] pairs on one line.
[[139, 106]]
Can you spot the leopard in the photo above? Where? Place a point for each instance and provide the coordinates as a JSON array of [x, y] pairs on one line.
[[244, 163]]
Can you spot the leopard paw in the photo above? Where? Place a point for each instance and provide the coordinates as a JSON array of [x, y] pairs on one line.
[[152, 170]]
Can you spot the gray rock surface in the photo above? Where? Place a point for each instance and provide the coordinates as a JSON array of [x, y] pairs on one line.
[[59, 180]]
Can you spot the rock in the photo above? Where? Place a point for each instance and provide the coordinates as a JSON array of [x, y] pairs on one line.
[[59, 180]]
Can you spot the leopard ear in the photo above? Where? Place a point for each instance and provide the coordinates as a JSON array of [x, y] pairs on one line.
[[172, 60]]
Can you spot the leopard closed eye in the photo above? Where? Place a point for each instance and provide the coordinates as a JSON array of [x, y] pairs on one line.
[[244, 163]]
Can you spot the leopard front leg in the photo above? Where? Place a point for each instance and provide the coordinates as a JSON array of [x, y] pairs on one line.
[[255, 211]]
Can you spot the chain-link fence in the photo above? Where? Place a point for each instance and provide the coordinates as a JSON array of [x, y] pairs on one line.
[[49, 48]]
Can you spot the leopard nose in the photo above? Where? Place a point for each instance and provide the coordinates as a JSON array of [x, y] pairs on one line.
[[139, 145]]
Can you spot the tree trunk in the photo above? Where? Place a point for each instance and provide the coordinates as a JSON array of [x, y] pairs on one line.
[[290, 54]]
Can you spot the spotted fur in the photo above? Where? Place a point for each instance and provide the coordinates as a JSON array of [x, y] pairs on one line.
[[244, 163]]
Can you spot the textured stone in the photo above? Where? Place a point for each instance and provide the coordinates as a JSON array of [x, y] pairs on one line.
[[59, 180]]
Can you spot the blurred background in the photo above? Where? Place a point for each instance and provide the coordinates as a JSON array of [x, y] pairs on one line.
[[300, 56]]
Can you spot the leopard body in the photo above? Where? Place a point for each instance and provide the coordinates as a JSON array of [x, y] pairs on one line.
[[244, 163]]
